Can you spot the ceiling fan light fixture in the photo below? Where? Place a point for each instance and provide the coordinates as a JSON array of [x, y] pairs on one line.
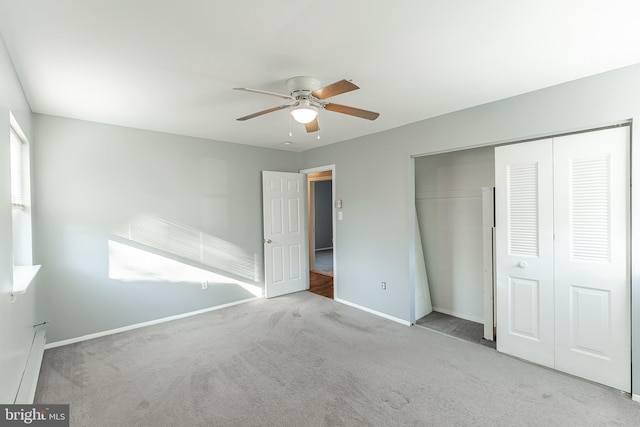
[[304, 114]]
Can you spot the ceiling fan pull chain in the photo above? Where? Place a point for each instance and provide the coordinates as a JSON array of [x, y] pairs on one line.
[[290, 133]]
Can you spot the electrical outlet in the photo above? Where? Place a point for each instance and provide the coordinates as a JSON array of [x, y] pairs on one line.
[[384, 286], [205, 284]]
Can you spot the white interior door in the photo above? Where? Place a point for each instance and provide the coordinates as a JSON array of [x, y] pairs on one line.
[[524, 251], [285, 249], [592, 286], [562, 254]]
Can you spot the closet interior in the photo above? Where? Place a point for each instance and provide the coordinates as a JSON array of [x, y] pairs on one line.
[[454, 225]]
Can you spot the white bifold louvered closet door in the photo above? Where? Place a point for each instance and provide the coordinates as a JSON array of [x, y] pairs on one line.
[[562, 254]]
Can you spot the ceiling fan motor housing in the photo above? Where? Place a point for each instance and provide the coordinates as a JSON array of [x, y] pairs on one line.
[[302, 86]]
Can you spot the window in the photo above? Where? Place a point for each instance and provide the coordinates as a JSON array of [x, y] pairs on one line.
[[23, 269], [17, 169]]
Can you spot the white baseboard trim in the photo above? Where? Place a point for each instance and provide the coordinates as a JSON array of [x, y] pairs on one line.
[[460, 315], [377, 313], [635, 397], [27, 390], [144, 324]]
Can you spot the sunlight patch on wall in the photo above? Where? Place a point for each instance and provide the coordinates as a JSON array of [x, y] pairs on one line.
[[191, 244], [129, 263]]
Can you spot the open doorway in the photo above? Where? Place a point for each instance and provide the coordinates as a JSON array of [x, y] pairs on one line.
[[321, 231], [451, 215]]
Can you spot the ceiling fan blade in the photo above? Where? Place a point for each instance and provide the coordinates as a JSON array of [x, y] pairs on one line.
[[335, 89], [312, 126], [264, 92], [260, 113], [364, 114]]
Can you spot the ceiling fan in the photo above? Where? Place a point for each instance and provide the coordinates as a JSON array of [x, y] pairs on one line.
[[306, 98]]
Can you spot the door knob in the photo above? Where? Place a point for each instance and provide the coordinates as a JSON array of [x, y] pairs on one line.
[[266, 240], [522, 264]]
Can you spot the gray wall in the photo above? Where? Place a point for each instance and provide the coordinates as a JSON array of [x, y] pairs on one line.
[[17, 318], [374, 241], [449, 208], [95, 183], [323, 214]]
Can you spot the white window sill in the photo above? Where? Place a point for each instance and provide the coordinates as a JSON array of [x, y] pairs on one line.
[[23, 275]]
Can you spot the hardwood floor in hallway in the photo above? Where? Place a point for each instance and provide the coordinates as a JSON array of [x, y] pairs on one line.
[[321, 284]]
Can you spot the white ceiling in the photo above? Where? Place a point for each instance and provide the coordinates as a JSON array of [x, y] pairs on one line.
[[170, 65]]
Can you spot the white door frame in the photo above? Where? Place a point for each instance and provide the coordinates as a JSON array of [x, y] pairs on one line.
[[311, 181], [331, 168]]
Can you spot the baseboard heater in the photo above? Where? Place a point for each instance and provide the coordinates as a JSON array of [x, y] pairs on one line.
[[27, 390]]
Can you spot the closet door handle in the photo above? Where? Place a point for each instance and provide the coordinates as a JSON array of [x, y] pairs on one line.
[[522, 264]]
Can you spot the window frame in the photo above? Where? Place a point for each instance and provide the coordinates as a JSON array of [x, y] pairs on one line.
[[18, 146], [24, 271]]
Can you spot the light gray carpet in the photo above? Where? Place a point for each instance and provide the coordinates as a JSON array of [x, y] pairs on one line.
[[305, 360], [323, 262], [455, 327]]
